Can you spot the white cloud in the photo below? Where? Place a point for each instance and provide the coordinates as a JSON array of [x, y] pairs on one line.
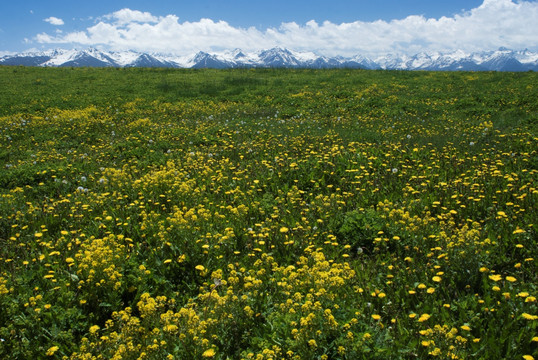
[[54, 20], [126, 16], [493, 24]]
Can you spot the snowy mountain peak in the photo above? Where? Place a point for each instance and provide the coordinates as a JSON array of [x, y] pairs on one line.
[[237, 54], [502, 59]]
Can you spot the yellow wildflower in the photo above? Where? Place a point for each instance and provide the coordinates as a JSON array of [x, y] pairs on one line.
[[209, 353], [52, 350], [423, 317]]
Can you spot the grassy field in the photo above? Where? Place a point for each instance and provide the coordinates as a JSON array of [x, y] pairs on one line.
[[267, 214]]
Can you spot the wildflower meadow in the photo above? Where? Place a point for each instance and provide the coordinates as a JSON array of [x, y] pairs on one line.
[[267, 214]]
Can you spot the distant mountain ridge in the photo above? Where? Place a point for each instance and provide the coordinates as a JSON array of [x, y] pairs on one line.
[[498, 60]]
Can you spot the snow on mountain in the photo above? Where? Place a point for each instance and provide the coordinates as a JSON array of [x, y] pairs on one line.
[[205, 60], [25, 60], [60, 57], [527, 57], [390, 61], [304, 56], [360, 61], [146, 60], [124, 58], [498, 60], [240, 57], [6, 53], [278, 57]]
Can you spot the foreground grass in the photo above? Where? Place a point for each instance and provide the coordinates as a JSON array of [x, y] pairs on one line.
[[266, 214]]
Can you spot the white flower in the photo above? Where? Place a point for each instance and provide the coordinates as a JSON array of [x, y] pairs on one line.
[[394, 170], [471, 143]]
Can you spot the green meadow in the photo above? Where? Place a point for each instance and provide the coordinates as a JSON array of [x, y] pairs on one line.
[[268, 214]]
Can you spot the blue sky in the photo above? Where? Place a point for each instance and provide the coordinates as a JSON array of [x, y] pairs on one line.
[[326, 27]]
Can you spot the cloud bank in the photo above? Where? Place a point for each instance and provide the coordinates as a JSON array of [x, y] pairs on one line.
[[494, 24], [54, 21]]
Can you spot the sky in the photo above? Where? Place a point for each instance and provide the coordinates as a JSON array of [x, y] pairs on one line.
[[334, 27]]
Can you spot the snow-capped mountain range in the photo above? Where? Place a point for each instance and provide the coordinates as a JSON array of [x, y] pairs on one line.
[[498, 60]]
